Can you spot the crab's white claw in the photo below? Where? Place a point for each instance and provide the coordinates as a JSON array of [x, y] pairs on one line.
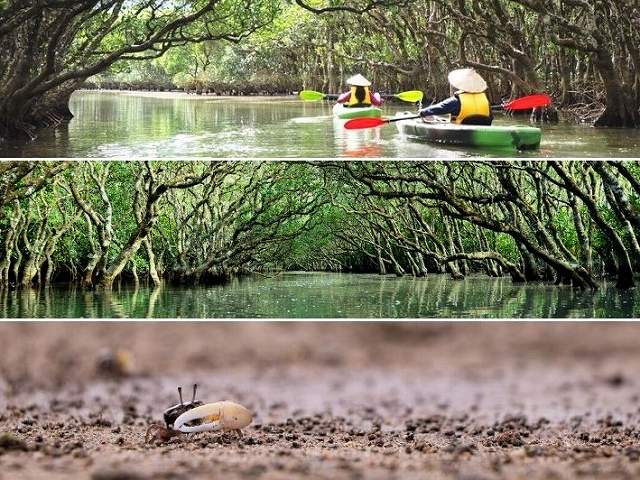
[[214, 416], [211, 413]]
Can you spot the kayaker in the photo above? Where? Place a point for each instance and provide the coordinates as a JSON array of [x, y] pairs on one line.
[[359, 95], [469, 104]]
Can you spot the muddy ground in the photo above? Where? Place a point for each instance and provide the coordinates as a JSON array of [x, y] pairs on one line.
[[331, 401]]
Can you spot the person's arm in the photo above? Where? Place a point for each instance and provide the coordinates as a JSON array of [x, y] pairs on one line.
[[450, 105], [344, 97], [376, 99]]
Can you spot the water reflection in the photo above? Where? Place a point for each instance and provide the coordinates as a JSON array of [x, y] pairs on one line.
[[126, 124], [307, 295], [357, 143]]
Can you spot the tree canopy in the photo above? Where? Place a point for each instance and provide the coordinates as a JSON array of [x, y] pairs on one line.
[[97, 222], [49, 48], [584, 53]]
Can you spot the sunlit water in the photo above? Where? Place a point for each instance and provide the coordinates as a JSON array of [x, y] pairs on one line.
[[135, 124], [309, 295]]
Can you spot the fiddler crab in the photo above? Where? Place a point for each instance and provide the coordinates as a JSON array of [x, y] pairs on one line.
[[194, 416]]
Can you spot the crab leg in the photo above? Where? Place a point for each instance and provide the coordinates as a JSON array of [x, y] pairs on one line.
[[210, 414]]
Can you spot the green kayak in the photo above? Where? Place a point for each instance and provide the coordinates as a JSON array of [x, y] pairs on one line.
[[516, 137], [346, 113]]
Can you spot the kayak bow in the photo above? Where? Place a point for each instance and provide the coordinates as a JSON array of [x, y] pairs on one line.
[[346, 113], [519, 137]]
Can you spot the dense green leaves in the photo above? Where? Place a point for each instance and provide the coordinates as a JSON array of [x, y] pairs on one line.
[[585, 55], [566, 48], [568, 222], [48, 49]]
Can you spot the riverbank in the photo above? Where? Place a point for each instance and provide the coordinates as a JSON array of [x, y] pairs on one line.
[[193, 95], [200, 88], [341, 401]]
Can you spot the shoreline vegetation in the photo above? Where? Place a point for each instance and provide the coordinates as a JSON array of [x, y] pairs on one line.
[[191, 94], [93, 222], [217, 89], [585, 54]]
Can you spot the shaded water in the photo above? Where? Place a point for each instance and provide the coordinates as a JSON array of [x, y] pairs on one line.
[[334, 295], [131, 124]]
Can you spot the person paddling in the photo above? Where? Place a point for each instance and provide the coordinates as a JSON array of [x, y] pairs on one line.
[[359, 94], [469, 104]]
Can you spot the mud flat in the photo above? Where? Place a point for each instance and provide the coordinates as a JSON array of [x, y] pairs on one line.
[[338, 401]]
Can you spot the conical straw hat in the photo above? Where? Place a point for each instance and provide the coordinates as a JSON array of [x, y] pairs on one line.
[[467, 80], [358, 81]]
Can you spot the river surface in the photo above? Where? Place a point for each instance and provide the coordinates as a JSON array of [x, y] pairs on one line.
[[328, 295], [143, 124]]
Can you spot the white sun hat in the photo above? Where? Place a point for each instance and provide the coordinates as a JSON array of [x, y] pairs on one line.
[[358, 81], [467, 80]]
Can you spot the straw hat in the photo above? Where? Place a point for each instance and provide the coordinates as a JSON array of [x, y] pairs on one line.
[[467, 80], [358, 81]]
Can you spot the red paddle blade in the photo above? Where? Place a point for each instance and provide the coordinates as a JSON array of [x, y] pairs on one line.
[[364, 122], [529, 102]]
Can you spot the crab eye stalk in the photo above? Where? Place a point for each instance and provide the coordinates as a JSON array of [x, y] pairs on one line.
[[171, 413]]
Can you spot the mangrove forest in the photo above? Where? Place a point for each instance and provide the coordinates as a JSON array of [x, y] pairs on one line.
[[585, 54], [97, 223]]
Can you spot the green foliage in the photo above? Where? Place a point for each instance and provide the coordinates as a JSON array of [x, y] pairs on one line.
[[212, 219]]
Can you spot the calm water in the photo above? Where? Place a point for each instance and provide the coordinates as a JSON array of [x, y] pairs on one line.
[[126, 124], [305, 295]]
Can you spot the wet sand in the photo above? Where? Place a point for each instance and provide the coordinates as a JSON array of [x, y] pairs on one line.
[[338, 401]]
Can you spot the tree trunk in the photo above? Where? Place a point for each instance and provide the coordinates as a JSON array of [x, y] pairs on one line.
[[397, 268], [583, 238], [566, 96], [16, 266], [153, 272], [29, 271], [621, 108], [422, 268], [49, 272], [106, 281], [529, 267], [134, 272], [10, 243], [625, 271], [89, 270]]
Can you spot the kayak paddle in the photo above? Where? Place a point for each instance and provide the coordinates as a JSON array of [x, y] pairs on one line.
[[527, 103], [411, 96], [522, 103], [313, 96]]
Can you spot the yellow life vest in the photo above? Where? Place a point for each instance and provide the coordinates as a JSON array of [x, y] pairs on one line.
[[354, 101], [472, 105]]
